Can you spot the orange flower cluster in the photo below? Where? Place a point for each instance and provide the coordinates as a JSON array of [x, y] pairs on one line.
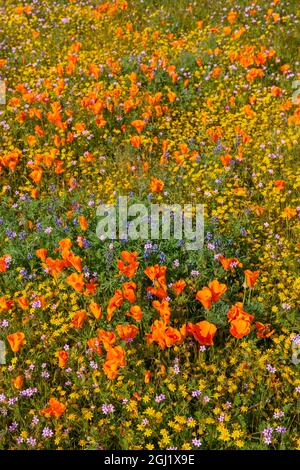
[[68, 259]]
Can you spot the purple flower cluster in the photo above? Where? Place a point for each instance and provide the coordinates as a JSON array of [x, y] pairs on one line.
[[28, 392], [107, 409], [160, 398]]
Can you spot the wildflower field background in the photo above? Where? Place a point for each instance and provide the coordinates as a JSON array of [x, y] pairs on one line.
[[145, 345]]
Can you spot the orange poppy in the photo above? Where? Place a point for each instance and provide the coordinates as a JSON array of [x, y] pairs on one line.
[[108, 338], [16, 341], [128, 291], [237, 313], [18, 382], [240, 328], [82, 222], [203, 332], [5, 304], [76, 281], [217, 290], [139, 125], [263, 330], [116, 354], [62, 358], [179, 286], [147, 376], [157, 334], [172, 336], [163, 309], [280, 184], [79, 318], [128, 265], [111, 369], [41, 253], [96, 310], [127, 332], [205, 297], [162, 335], [23, 303], [136, 313], [250, 278], [229, 263], [136, 141], [156, 185], [115, 302], [4, 263], [55, 409], [94, 345]]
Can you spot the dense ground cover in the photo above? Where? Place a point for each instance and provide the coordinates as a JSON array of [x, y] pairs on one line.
[[146, 345]]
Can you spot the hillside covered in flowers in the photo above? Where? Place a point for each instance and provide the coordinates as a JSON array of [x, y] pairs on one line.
[[143, 344]]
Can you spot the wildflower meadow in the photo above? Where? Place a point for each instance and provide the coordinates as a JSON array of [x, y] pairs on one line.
[[114, 336]]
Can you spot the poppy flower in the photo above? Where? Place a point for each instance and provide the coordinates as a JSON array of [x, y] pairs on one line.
[[250, 278], [240, 328], [128, 291], [157, 334], [205, 297], [172, 336], [237, 313], [179, 286], [91, 287], [41, 253], [94, 345], [139, 125], [136, 141], [217, 290], [16, 341], [108, 338], [229, 263], [73, 260], [147, 376], [23, 303], [127, 332], [4, 263], [279, 184], [76, 281], [82, 222], [128, 265], [136, 313], [156, 185], [115, 302], [18, 382], [232, 16], [163, 310], [79, 318], [203, 332], [116, 353], [263, 330], [5, 304], [62, 358], [55, 409], [95, 310]]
